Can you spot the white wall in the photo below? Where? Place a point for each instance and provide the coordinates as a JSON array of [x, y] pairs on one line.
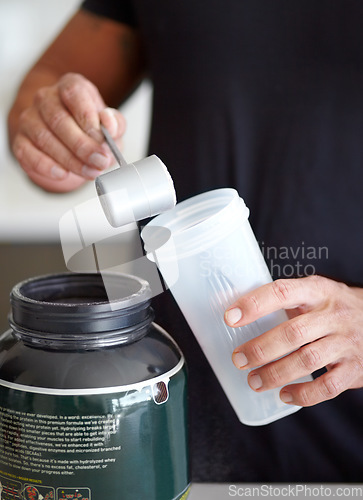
[[26, 212]]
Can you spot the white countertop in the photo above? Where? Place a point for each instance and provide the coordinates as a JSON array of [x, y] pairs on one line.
[[28, 214]]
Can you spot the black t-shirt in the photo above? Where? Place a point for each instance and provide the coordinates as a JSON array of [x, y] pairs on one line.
[[266, 97]]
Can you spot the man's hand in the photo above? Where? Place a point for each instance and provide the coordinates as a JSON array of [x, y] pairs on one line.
[[325, 330], [58, 141]]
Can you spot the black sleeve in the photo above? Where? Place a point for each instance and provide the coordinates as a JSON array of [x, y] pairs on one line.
[[118, 10]]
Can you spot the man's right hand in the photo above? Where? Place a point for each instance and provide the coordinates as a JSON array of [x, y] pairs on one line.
[[58, 141]]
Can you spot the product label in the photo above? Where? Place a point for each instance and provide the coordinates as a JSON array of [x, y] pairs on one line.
[[93, 447]]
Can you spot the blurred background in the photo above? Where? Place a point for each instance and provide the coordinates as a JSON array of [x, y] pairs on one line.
[[29, 217]]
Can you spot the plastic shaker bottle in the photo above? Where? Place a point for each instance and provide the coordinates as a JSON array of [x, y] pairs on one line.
[[210, 259]]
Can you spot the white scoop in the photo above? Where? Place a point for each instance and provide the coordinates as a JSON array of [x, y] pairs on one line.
[[135, 191]]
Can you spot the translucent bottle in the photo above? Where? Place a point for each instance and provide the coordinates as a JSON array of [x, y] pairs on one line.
[[210, 259]]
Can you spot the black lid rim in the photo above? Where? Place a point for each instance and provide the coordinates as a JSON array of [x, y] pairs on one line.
[[50, 309], [69, 278]]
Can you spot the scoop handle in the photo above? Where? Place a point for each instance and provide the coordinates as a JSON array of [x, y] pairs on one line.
[[112, 145]]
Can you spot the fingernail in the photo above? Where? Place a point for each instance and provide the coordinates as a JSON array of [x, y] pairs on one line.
[[113, 122], [58, 172], [286, 397], [239, 359], [233, 315], [255, 381], [90, 173], [98, 160]]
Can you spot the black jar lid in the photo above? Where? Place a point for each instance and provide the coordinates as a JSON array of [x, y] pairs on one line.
[[80, 310]]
